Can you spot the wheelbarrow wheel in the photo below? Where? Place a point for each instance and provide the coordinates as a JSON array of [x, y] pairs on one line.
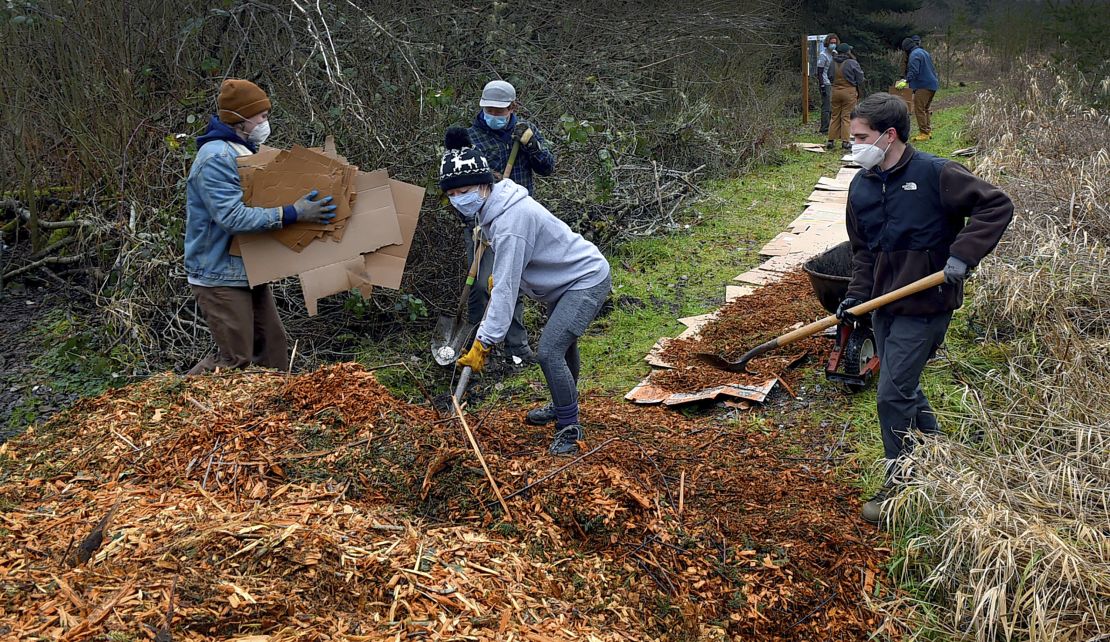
[[859, 350]]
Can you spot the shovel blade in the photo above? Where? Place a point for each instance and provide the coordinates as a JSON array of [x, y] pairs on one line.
[[450, 339], [719, 362]]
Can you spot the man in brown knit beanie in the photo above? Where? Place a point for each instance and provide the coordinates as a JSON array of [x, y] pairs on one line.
[[243, 320]]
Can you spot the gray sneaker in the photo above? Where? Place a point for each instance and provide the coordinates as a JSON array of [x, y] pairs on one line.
[[566, 440], [873, 509], [541, 416]]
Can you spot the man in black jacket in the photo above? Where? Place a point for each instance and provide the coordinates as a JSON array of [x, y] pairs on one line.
[[911, 214]]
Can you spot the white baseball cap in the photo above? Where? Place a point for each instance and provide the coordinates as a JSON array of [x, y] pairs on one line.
[[497, 93]]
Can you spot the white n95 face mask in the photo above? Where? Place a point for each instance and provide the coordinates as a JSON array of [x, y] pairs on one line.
[[868, 155], [260, 133]]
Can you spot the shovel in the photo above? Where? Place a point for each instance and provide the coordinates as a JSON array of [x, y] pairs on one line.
[[717, 361], [452, 333], [523, 140]]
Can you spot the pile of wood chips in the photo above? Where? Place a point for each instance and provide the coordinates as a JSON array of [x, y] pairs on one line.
[[320, 507], [742, 324]]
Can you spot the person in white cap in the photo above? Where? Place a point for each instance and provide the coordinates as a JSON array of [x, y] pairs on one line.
[[495, 127]]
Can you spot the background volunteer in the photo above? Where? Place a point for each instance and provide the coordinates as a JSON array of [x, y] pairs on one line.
[[495, 127]]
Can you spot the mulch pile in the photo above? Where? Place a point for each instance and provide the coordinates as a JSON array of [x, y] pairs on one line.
[[320, 507], [742, 324]]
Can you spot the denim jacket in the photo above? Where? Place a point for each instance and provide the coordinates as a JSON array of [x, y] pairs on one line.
[[215, 211]]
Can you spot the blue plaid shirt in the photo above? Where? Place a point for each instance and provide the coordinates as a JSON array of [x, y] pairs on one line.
[[495, 145]]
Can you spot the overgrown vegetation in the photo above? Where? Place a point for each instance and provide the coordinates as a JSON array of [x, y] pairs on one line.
[[1004, 526], [94, 161]]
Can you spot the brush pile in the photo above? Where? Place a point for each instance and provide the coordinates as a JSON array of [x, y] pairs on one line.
[[320, 507], [1010, 537]]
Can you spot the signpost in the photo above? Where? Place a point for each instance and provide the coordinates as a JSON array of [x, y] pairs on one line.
[[811, 49]]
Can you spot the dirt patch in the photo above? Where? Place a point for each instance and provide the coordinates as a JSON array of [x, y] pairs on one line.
[[323, 504], [25, 394]]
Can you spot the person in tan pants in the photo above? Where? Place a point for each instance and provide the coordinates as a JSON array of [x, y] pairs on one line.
[[847, 78]]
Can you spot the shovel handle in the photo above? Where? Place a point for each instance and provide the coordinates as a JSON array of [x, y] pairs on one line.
[[931, 281], [471, 275], [524, 138], [464, 379]]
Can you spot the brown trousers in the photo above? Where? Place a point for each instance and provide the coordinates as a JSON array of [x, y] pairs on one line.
[[922, 100], [245, 325], [843, 102]]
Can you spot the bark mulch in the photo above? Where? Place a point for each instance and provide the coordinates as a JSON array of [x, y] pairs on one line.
[[320, 507], [742, 324]]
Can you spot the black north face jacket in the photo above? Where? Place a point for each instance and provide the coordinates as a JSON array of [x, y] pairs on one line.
[[905, 227]]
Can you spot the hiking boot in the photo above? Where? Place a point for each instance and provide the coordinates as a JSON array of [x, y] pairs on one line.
[[922, 137], [566, 440], [845, 145], [873, 509], [830, 145], [541, 416]]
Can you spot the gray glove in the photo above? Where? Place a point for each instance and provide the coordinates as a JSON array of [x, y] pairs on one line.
[[533, 143], [842, 312], [310, 210], [955, 271]]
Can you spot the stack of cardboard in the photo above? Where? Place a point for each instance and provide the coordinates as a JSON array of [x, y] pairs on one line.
[[367, 243]]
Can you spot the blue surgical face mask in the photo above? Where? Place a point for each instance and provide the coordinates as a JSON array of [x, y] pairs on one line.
[[496, 122], [468, 203]]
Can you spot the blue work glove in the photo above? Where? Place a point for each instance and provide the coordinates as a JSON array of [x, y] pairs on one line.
[[310, 210], [842, 312], [955, 271]]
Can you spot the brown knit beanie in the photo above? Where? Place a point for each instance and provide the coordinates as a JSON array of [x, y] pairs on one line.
[[240, 99]]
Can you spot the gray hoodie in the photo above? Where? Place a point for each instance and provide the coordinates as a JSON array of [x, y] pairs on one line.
[[533, 251]]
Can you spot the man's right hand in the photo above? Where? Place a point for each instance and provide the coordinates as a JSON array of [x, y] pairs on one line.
[[310, 210], [842, 312]]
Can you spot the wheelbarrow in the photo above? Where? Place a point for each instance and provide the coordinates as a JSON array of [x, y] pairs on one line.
[[853, 361]]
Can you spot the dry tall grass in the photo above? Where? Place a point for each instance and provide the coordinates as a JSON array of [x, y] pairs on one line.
[[1010, 538]]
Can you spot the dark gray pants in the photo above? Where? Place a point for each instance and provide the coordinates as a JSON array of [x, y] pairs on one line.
[[516, 341], [826, 106], [905, 344], [245, 325], [558, 352]]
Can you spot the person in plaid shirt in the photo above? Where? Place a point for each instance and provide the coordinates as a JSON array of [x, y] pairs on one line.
[[495, 127]]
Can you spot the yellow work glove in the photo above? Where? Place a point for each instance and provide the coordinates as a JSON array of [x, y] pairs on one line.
[[489, 283], [476, 358], [901, 84]]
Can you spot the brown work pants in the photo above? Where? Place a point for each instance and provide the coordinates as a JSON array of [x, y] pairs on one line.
[[244, 323], [922, 100], [843, 102]]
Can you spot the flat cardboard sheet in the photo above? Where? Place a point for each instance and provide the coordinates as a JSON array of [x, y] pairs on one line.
[[737, 291], [816, 148], [647, 393], [654, 356], [757, 277]]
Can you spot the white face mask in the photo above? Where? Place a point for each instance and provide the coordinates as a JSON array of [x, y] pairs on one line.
[[868, 155], [260, 133]]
